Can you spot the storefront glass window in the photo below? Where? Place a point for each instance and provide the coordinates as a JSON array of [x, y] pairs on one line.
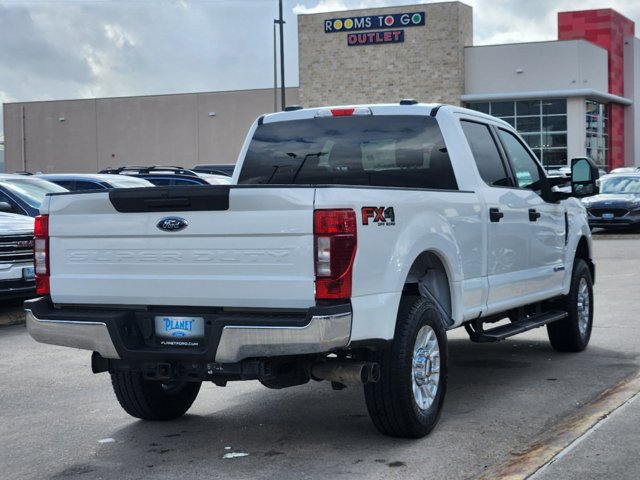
[[502, 109], [482, 107], [542, 123], [597, 132], [528, 124], [554, 107], [528, 107]]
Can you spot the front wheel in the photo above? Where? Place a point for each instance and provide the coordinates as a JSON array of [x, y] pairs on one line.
[[153, 400], [572, 334], [407, 400]]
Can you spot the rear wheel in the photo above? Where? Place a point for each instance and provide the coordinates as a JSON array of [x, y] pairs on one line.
[[407, 400], [153, 400], [573, 333]]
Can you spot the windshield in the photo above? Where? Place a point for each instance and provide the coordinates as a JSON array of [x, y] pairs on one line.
[[385, 150], [32, 191], [620, 184]]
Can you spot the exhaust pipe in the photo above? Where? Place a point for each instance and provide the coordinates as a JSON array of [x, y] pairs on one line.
[[346, 373]]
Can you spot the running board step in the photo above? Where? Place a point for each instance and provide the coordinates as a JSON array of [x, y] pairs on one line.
[[504, 331]]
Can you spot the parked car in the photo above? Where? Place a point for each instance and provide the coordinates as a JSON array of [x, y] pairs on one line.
[[215, 168], [23, 194], [617, 204], [625, 170], [94, 181], [169, 175], [17, 277]]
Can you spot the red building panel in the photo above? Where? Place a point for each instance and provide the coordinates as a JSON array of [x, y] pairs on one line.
[[607, 29]]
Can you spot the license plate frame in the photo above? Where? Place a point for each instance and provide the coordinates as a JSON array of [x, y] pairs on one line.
[[179, 331]]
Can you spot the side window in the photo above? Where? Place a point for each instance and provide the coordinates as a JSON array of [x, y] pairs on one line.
[[68, 184], [184, 182], [486, 154], [159, 181], [82, 185], [524, 165]]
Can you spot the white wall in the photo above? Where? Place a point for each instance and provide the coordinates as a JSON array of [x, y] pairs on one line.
[[151, 130], [632, 91], [524, 67], [576, 129]]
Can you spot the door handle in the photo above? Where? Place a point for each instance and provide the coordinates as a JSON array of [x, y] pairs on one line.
[[495, 214], [534, 215]]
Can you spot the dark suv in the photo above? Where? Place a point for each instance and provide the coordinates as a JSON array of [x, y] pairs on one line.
[[169, 175], [215, 168]]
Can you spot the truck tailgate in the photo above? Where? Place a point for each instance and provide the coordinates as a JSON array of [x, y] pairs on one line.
[[248, 247]]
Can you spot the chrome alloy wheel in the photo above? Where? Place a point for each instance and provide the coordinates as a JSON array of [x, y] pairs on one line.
[[583, 307], [425, 374]]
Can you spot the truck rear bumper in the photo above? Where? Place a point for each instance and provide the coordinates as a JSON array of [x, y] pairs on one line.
[[230, 336], [85, 335], [323, 334]]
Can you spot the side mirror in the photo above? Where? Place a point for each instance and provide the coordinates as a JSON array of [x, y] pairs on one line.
[[5, 207], [584, 176]]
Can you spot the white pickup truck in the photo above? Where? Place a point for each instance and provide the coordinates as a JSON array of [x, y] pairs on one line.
[[349, 242]]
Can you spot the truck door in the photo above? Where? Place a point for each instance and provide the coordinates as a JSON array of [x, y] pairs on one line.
[[507, 227], [545, 221]]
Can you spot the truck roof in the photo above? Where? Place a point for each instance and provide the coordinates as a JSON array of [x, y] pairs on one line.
[[405, 107]]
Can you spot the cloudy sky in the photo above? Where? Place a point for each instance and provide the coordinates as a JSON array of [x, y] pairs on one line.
[[60, 49]]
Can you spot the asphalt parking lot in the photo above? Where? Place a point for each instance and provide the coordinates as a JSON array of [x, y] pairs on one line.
[[511, 409]]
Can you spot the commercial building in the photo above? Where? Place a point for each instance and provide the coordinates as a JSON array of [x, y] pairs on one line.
[[93, 134], [571, 97], [1, 152]]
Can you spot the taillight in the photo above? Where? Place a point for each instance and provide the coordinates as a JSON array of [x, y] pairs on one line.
[[334, 232], [41, 254]]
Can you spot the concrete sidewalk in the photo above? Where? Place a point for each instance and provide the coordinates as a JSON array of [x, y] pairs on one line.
[[609, 450]]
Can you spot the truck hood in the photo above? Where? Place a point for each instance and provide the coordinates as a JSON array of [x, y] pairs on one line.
[[611, 200], [12, 224]]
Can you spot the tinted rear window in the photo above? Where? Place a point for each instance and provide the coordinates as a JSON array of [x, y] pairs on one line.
[[396, 151]]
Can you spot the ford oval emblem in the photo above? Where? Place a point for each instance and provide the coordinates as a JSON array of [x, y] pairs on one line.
[[172, 224]]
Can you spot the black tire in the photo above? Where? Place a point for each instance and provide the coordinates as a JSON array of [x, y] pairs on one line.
[[153, 400], [572, 334], [392, 404]]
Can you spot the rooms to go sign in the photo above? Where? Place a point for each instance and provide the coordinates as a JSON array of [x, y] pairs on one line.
[[374, 22]]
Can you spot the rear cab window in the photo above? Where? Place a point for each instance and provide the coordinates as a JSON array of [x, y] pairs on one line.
[[385, 150]]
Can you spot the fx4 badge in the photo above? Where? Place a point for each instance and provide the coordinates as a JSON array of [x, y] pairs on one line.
[[379, 215]]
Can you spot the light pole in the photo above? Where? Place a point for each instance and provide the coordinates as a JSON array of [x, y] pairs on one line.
[[281, 22], [275, 69]]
